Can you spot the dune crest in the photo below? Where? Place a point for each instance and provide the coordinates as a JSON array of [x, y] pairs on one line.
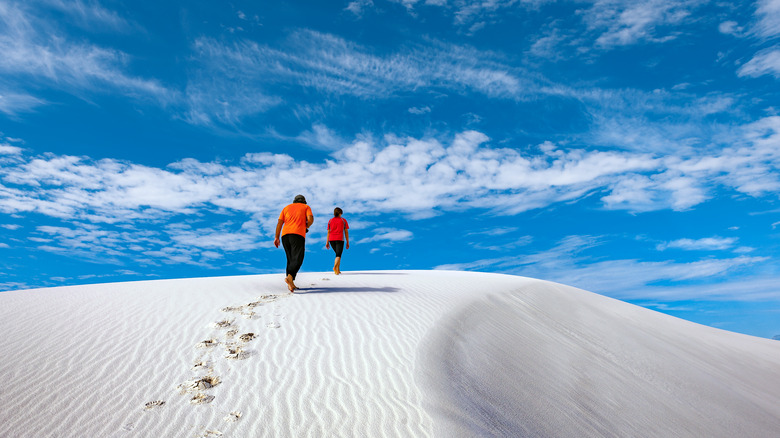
[[550, 360]]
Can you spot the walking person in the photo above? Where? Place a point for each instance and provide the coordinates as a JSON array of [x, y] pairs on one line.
[[295, 219], [338, 231]]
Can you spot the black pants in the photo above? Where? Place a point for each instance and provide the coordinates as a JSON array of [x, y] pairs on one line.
[[294, 247], [338, 247]]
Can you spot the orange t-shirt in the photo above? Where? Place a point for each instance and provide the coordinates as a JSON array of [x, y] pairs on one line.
[[294, 218]]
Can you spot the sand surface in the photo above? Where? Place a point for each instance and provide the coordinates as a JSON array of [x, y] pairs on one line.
[[386, 353]]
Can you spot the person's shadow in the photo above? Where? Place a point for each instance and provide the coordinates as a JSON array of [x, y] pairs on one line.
[[323, 290]]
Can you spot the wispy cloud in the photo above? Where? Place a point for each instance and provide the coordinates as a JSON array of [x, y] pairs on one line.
[[387, 235], [609, 23], [359, 7], [13, 103], [419, 110], [88, 15], [706, 244], [765, 62], [231, 81], [766, 27], [7, 149], [626, 22], [471, 13], [768, 18], [36, 52], [568, 263]]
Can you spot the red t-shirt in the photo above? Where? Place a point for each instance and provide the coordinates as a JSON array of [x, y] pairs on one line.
[[336, 227], [294, 218]]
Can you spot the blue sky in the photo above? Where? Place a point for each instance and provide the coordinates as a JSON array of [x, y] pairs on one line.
[[627, 148]]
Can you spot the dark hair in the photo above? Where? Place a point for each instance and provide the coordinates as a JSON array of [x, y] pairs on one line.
[[337, 212], [299, 199]]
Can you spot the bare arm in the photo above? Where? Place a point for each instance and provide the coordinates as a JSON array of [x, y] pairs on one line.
[[346, 236], [309, 220], [278, 231]]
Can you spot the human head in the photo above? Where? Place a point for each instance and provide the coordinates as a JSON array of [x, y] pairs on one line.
[[299, 199], [337, 212]]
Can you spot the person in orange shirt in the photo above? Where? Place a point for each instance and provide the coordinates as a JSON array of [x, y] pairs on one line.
[[296, 219]]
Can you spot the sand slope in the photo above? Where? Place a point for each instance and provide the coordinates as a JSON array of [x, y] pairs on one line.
[[396, 353]]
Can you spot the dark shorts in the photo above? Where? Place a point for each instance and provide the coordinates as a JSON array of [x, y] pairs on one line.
[[338, 246]]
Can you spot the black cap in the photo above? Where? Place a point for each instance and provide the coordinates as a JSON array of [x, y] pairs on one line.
[[299, 199]]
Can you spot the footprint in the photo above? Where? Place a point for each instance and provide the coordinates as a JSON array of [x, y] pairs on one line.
[[201, 398], [200, 364], [199, 384], [208, 343], [153, 404], [231, 333], [273, 324], [233, 309], [246, 337], [233, 416], [236, 353], [225, 323]]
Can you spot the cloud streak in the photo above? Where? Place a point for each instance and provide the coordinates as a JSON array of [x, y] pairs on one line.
[[705, 244], [231, 81], [36, 52], [629, 279]]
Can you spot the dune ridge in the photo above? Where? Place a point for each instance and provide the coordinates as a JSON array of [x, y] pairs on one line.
[[387, 353], [589, 366]]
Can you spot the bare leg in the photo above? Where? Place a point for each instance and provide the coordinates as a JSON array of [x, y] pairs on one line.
[[290, 284], [337, 266]]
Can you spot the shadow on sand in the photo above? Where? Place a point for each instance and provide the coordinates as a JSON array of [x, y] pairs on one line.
[[374, 273], [323, 290]]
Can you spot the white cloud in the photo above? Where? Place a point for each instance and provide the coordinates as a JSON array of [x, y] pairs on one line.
[[469, 12], [413, 177], [765, 62], [358, 7], [249, 236], [768, 15], [626, 22], [627, 278], [6, 149], [34, 51], [705, 244], [730, 28], [420, 110], [13, 103], [387, 235], [230, 82], [322, 137], [89, 15], [498, 231]]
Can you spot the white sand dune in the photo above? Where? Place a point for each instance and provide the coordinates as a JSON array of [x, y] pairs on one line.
[[368, 354]]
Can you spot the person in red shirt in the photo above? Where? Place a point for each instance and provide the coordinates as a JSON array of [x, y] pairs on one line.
[[338, 230], [296, 219]]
